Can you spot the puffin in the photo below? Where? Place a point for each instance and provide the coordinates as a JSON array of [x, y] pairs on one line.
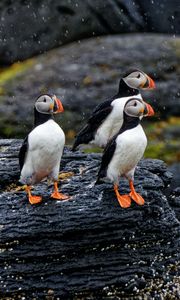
[[106, 119], [41, 151], [125, 149]]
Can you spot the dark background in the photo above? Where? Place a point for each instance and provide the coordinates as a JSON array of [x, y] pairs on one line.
[[32, 27]]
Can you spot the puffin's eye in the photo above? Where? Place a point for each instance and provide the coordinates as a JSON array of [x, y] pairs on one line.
[[138, 76], [135, 103], [44, 100]]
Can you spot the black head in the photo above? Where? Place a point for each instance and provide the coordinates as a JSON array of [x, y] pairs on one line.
[[134, 110], [48, 104], [137, 79], [137, 108], [45, 106]]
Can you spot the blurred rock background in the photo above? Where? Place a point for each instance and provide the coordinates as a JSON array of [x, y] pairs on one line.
[[94, 43], [30, 27]]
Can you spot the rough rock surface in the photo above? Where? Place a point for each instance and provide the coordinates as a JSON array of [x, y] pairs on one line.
[[85, 74], [49, 23], [88, 247]]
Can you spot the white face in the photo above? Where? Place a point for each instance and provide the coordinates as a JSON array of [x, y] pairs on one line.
[[134, 108], [45, 104], [137, 80]]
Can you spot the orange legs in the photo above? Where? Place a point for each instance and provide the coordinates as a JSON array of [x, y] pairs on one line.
[[125, 200], [38, 199], [32, 199], [57, 195], [135, 196]]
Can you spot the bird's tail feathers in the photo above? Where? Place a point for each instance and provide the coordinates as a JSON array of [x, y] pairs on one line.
[[83, 137], [101, 177], [74, 146]]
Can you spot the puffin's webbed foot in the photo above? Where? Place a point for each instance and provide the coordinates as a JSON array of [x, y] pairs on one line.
[[33, 199], [125, 200], [135, 196], [57, 195]]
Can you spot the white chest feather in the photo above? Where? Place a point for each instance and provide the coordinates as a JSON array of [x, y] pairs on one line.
[[45, 147], [112, 123], [130, 147]]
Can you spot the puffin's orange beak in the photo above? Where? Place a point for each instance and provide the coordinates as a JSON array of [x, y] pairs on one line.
[[151, 83], [149, 111], [59, 106]]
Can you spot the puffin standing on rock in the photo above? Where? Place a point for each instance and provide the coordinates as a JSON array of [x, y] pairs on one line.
[[107, 117], [41, 151], [125, 149]]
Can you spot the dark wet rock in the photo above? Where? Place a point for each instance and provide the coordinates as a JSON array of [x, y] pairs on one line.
[[175, 169], [176, 191], [49, 23], [85, 74], [174, 198], [88, 246]]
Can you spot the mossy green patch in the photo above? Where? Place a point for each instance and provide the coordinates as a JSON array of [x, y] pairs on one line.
[[162, 140], [168, 152], [176, 46], [92, 149], [11, 72]]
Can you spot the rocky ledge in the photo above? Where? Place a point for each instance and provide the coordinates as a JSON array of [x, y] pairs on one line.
[[88, 247]]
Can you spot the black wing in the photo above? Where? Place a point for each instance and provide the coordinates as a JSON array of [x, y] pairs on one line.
[[106, 158], [23, 152], [98, 116], [102, 105], [83, 137]]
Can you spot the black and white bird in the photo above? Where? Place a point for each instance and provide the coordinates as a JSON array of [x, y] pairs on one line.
[[125, 149], [106, 119], [41, 151]]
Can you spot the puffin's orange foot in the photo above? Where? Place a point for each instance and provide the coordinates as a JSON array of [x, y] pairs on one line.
[[137, 198], [59, 196], [124, 201], [35, 199]]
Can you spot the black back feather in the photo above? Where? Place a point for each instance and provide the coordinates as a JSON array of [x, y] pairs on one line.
[[106, 158], [22, 152]]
